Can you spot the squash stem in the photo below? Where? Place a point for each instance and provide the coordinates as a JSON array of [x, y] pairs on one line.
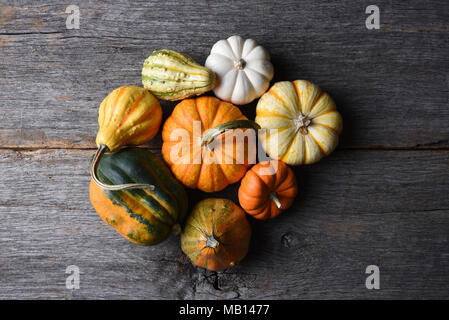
[[177, 229], [302, 123], [239, 64], [93, 172], [274, 197], [210, 134]]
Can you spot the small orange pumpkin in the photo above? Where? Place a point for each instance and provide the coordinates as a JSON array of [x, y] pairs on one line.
[[216, 235], [267, 189], [212, 155]]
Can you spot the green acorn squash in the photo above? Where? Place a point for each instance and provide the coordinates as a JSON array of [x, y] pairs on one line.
[[143, 216]]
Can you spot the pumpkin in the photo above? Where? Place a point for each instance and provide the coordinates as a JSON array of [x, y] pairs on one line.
[[170, 75], [267, 189], [301, 121], [210, 155], [243, 69], [129, 115], [216, 235], [143, 216]]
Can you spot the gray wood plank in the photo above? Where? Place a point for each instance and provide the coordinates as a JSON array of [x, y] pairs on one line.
[[355, 208], [391, 85]]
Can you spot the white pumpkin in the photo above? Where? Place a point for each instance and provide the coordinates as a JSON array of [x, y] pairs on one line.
[[243, 69], [301, 121]]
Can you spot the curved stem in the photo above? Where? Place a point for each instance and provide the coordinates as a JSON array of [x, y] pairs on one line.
[[93, 172], [210, 134], [274, 197]]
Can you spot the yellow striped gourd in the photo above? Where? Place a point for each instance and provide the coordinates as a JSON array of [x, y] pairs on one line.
[[129, 115]]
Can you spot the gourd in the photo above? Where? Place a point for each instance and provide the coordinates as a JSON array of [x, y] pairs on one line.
[[170, 75], [216, 235], [199, 147], [243, 69], [301, 121], [143, 216], [267, 189], [129, 115]]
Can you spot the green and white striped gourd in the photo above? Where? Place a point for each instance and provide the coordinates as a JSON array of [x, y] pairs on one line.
[[170, 75]]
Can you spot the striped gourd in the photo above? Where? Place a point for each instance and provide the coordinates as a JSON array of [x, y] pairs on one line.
[[302, 122], [143, 216], [170, 75], [129, 115]]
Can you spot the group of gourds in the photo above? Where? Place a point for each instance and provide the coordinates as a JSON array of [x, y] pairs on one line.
[[136, 193]]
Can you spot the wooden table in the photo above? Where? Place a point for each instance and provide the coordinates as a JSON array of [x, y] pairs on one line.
[[382, 198]]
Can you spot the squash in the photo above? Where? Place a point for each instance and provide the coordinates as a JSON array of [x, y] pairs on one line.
[[170, 75], [129, 115], [302, 123], [216, 235], [199, 155], [143, 216], [243, 69], [267, 189]]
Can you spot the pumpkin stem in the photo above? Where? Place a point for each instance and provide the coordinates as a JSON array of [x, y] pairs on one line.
[[210, 134], [239, 64], [301, 123], [211, 242], [273, 196], [93, 172]]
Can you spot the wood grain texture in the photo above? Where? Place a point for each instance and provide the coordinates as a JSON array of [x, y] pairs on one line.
[[380, 198], [355, 208], [391, 85]]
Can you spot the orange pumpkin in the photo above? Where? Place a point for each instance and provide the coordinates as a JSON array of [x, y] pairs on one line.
[[216, 235], [267, 189], [202, 147]]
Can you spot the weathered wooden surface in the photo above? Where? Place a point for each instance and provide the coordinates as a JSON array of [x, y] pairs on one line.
[[381, 198], [355, 209]]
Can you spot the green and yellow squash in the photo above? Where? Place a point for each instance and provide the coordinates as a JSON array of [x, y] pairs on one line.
[[143, 216], [170, 75]]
